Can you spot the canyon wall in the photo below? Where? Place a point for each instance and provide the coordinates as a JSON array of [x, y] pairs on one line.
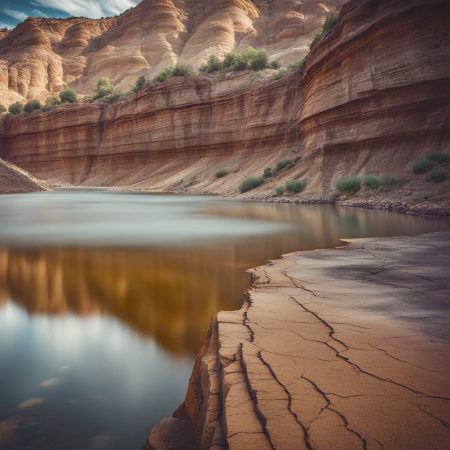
[[41, 56], [374, 94]]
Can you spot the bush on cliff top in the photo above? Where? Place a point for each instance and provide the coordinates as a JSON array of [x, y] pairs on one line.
[[140, 83], [68, 95], [50, 103], [15, 108], [179, 70], [251, 183], [349, 185], [103, 88], [32, 105], [2, 109], [212, 65]]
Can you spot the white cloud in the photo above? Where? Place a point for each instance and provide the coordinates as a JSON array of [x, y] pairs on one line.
[[16, 14], [89, 8], [38, 13]]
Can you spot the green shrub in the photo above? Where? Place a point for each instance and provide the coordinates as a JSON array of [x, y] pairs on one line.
[[439, 157], [221, 173], [140, 83], [274, 65], [295, 186], [298, 66], [229, 60], [68, 95], [330, 22], [50, 103], [164, 75], [248, 58], [420, 166], [267, 172], [285, 163], [349, 185], [250, 183], [212, 65], [32, 105], [2, 109], [15, 108], [103, 88], [259, 60], [391, 181], [181, 70], [371, 182], [113, 97], [279, 190], [280, 74], [437, 176]]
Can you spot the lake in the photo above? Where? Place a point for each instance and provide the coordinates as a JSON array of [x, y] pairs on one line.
[[106, 297]]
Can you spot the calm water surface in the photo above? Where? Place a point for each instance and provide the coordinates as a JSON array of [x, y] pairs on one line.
[[106, 297]]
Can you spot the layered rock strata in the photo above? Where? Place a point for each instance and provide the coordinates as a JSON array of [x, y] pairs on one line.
[[341, 348], [40, 56], [373, 96], [14, 180]]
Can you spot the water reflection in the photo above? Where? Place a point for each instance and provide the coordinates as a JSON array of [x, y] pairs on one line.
[[105, 298]]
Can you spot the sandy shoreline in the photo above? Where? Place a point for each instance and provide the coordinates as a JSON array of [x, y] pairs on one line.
[[338, 348]]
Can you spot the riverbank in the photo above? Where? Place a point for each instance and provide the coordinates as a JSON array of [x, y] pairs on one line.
[[343, 348]]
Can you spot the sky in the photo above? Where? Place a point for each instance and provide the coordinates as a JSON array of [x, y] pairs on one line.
[[14, 11]]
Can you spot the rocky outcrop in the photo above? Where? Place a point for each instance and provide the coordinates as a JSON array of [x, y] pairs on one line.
[[40, 56], [373, 96], [14, 180], [341, 348]]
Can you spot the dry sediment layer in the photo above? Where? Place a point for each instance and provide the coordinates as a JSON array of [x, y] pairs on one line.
[[14, 180], [374, 95], [343, 348]]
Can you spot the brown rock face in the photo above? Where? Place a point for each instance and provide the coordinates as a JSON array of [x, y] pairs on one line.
[[14, 180], [374, 95], [334, 349], [40, 56]]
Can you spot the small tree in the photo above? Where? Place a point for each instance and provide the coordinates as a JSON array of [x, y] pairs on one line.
[[259, 60], [68, 95], [230, 60], [181, 70], [212, 65], [140, 83], [2, 108], [15, 108], [32, 105], [50, 103], [103, 88]]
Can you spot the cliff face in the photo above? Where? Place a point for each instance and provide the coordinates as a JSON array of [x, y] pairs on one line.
[[40, 56], [14, 180], [374, 95], [172, 134]]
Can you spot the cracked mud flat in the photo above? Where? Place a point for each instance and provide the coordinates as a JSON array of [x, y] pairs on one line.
[[344, 348]]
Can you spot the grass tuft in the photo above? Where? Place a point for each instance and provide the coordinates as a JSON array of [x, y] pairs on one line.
[[251, 183], [279, 190], [221, 173], [295, 186], [437, 176], [349, 185], [371, 182], [420, 166]]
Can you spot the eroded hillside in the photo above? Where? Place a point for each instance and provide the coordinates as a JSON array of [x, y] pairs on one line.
[[41, 56]]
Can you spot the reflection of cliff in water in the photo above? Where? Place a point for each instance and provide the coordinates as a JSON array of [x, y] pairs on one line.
[[171, 293]]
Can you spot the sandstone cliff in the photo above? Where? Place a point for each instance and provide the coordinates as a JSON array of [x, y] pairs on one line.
[[40, 56], [14, 180], [374, 95]]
